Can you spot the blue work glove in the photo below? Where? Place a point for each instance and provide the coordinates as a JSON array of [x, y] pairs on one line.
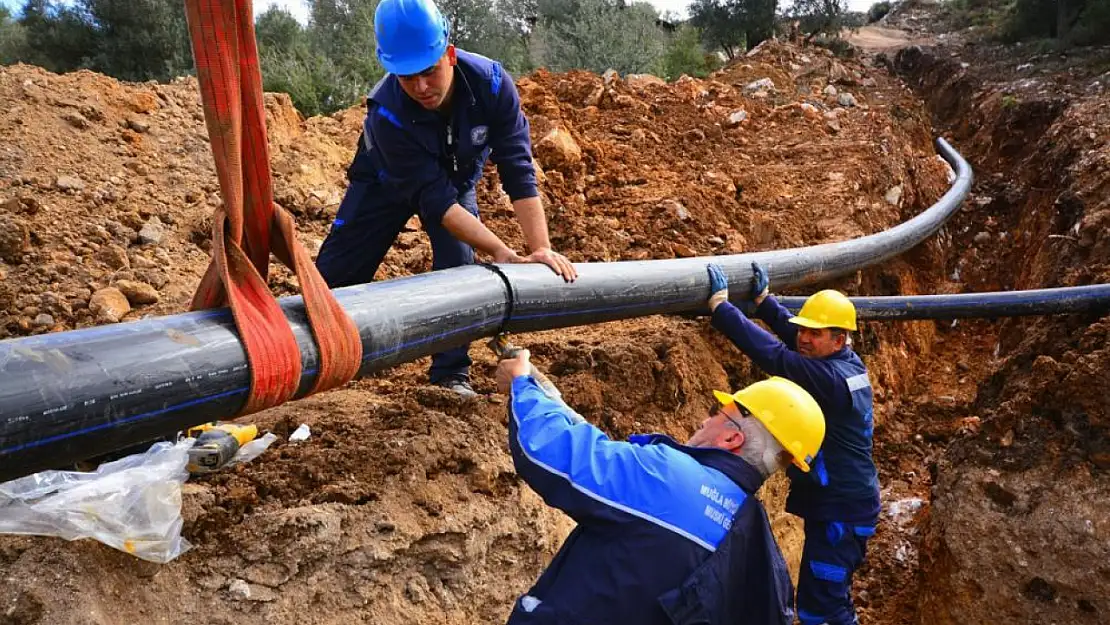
[[718, 286], [761, 282]]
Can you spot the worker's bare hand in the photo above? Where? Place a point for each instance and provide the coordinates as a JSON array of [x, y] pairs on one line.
[[512, 368], [558, 263]]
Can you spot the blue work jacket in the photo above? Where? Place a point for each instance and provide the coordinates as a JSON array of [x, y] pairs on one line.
[[843, 484], [425, 160], [667, 534]]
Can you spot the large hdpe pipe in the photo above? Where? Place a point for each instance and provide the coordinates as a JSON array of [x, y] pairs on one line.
[[78, 394]]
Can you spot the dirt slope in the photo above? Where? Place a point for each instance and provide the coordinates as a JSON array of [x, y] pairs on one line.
[[403, 506], [1019, 529]]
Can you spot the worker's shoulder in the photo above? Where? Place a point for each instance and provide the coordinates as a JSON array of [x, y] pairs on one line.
[[385, 102], [486, 71], [482, 66]]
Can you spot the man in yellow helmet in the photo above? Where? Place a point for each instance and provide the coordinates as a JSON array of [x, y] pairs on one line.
[[839, 498], [668, 534]]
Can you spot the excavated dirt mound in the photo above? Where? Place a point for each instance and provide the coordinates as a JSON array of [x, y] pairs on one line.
[[403, 505]]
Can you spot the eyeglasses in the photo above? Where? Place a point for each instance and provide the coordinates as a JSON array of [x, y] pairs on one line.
[[724, 410]]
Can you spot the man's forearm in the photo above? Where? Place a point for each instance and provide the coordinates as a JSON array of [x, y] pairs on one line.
[[470, 230], [529, 212]]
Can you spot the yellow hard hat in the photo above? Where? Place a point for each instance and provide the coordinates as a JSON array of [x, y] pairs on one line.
[[827, 309], [788, 412]]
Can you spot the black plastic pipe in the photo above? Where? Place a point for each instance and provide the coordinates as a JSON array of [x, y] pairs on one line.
[[78, 394], [1094, 298]]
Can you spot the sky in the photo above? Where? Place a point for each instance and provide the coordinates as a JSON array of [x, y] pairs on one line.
[[299, 9]]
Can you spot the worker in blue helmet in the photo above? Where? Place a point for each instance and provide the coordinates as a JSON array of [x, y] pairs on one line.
[[430, 126]]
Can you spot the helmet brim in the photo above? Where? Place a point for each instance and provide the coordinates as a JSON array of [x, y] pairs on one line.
[[413, 64], [724, 398], [815, 325]]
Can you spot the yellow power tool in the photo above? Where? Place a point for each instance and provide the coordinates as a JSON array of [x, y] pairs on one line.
[[217, 443]]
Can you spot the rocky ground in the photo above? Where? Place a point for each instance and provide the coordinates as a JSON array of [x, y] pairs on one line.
[[403, 506]]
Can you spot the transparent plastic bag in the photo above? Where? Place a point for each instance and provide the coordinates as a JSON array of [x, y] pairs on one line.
[[132, 504]]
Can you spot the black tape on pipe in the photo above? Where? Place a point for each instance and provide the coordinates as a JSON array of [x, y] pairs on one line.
[[72, 395], [1070, 300]]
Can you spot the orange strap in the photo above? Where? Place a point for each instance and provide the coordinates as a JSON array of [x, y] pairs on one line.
[[249, 226]]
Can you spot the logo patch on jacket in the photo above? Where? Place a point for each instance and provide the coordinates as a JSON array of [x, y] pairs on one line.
[[479, 135]]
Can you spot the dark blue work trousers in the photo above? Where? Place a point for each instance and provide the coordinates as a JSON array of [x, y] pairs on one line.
[[831, 555], [362, 233]]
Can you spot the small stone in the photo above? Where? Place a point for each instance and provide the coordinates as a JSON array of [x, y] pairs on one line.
[[736, 118], [153, 232], [761, 85], [830, 91], [153, 277], [894, 196], [239, 589], [846, 100], [44, 321], [114, 256], [675, 209], [715, 241], [640, 81], [76, 120], [15, 240], [683, 251], [138, 293], [69, 183], [558, 149], [109, 305], [138, 125], [696, 134], [982, 237], [610, 77]]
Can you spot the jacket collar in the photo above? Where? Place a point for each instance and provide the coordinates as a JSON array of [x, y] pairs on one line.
[[736, 468]]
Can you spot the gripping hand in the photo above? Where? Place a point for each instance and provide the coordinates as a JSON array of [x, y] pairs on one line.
[[718, 286]]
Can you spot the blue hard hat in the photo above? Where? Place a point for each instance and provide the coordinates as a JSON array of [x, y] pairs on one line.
[[412, 35]]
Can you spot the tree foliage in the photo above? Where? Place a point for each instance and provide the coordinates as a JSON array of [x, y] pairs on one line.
[[13, 38], [1080, 22], [685, 55], [330, 62], [733, 26], [878, 11], [819, 17], [601, 35]]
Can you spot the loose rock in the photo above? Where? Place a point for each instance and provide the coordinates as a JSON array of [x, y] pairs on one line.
[[109, 305], [152, 232], [558, 150], [138, 293], [69, 183]]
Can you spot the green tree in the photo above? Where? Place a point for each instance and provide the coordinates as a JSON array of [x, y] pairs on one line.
[[602, 35], [59, 38], [819, 17], [13, 38], [733, 26], [685, 55], [139, 39], [1083, 22], [878, 11], [293, 61]]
